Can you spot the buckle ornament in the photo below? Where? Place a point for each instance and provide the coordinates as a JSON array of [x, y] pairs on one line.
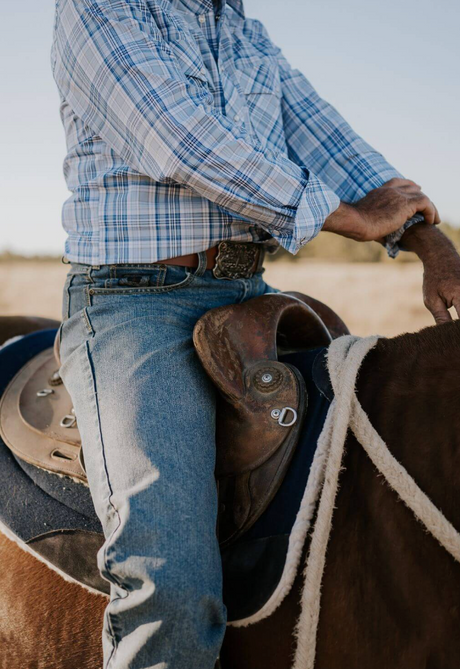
[[236, 260]]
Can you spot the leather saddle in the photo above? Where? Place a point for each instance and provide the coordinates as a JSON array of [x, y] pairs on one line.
[[261, 401]]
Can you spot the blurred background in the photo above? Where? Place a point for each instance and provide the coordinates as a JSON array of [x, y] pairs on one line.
[[391, 69]]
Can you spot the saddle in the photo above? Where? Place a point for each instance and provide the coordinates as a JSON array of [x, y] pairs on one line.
[[261, 405], [262, 402]]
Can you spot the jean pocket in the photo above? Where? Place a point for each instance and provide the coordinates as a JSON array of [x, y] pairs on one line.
[[143, 280]]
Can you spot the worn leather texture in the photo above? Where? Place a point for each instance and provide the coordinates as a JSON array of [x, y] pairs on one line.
[[252, 565], [238, 346], [73, 552], [30, 423]]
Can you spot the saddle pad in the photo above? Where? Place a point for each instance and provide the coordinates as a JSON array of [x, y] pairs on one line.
[[254, 566], [54, 517]]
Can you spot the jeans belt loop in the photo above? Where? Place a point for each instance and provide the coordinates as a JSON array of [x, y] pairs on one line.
[[202, 262]]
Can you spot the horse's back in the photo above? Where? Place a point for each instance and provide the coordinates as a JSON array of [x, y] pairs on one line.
[[44, 617]]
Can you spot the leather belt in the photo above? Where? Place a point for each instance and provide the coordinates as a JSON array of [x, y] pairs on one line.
[[228, 260]]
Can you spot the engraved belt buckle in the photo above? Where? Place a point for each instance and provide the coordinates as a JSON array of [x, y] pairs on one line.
[[236, 260]]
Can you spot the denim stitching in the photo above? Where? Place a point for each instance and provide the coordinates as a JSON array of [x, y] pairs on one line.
[[133, 291], [109, 575], [88, 294], [161, 276], [89, 275], [139, 291], [87, 322], [158, 288], [112, 276]]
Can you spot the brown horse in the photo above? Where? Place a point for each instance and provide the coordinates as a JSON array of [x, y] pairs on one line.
[[391, 594]]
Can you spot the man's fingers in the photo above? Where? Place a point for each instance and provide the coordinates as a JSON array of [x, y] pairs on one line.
[[456, 304], [427, 208], [439, 310], [437, 218]]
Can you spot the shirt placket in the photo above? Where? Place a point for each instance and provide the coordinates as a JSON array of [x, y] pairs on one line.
[[208, 36], [235, 102], [227, 97]]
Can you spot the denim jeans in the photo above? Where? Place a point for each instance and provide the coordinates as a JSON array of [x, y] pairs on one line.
[[146, 413]]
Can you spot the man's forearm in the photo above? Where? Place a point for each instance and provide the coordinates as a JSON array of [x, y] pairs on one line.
[[344, 221], [426, 241], [381, 212]]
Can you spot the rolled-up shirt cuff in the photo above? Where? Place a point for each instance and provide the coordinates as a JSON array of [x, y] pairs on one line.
[[392, 244], [316, 203]]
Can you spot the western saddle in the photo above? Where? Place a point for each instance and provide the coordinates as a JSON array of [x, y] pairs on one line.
[[261, 401]]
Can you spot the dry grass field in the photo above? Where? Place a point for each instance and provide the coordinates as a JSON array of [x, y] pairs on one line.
[[372, 298], [383, 298]]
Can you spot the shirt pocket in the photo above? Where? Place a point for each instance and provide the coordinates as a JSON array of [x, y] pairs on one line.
[[258, 76], [259, 82], [186, 57], [189, 58]]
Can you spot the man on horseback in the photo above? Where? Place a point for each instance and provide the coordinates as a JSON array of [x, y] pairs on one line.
[[193, 149]]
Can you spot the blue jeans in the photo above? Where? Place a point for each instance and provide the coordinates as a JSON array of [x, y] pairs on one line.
[[146, 414]]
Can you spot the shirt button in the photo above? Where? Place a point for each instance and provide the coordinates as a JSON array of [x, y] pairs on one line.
[[202, 19], [236, 118]]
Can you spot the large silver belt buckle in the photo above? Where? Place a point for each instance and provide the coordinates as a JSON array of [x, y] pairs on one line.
[[235, 260]]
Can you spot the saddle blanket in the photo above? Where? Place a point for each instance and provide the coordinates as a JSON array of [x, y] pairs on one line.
[[53, 517]]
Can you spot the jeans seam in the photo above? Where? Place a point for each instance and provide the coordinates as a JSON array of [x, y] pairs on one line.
[[88, 294], [87, 322], [109, 575]]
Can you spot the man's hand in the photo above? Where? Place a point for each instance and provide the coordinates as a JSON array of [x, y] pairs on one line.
[[441, 264], [381, 212]]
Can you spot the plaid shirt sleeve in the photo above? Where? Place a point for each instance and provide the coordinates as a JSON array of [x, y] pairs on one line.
[[318, 136], [123, 80]]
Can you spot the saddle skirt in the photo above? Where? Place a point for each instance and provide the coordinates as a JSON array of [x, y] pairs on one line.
[[53, 516]]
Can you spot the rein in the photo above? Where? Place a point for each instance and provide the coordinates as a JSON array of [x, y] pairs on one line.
[[345, 356]]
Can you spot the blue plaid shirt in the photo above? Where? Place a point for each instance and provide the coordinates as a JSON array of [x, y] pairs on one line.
[[186, 126]]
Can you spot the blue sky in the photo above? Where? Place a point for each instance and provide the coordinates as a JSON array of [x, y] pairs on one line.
[[391, 68]]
